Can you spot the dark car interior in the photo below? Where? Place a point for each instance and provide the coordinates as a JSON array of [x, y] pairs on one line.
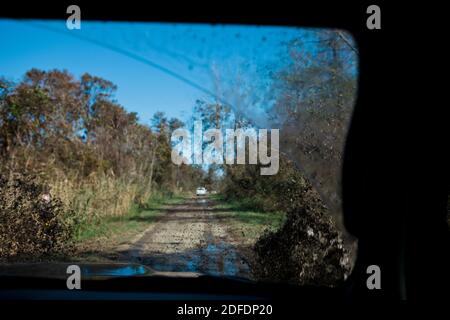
[[394, 200]]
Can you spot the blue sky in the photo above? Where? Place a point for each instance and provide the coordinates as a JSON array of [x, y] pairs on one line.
[[211, 56]]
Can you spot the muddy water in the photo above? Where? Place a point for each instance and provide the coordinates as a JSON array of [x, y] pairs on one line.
[[191, 238]]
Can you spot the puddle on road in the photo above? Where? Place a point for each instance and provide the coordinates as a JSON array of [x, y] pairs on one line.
[[215, 259], [224, 260], [125, 271]]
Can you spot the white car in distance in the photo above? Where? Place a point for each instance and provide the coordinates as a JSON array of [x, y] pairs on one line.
[[201, 191]]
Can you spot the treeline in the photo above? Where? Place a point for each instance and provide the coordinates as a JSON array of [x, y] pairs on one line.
[[71, 140]]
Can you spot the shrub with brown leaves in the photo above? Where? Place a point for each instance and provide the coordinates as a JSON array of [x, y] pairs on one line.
[[310, 248], [32, 223], [307, 250]]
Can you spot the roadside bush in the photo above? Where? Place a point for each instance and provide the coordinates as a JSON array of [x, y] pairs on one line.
[[311, 247], [32, 224], [306, 250]]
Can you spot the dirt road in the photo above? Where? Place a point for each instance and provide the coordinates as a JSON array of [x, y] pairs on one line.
[[190, 237]]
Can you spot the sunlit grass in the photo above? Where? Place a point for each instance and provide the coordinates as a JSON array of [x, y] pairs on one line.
[[245, 223], [126, 226]]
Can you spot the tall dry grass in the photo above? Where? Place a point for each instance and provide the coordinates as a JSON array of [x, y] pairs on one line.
[[98, 196]]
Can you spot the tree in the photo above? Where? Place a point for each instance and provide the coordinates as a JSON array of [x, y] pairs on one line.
[[315, 95]]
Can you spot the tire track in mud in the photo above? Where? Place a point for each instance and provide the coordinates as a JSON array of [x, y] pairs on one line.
[[190, 237]]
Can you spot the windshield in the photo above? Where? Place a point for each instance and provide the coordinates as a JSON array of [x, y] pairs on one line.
[[213, 149]]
